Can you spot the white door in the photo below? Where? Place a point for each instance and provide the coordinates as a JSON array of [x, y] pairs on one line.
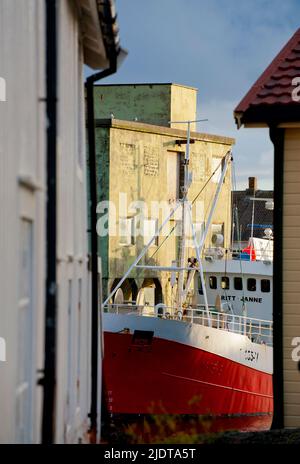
[[173, 174]]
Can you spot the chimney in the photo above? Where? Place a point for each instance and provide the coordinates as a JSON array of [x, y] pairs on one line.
[[252, 185]]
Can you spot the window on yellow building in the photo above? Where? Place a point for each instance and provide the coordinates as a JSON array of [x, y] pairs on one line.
[[149, 229], [216, 165], [126, 231], [174, 175]]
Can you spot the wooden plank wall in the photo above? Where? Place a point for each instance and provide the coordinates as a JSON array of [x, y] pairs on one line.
[[291, 275]]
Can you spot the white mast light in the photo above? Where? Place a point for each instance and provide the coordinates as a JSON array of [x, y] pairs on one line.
[[269, 205]]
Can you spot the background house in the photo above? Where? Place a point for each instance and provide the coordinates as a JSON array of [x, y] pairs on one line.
[[273, 101], [244, 207], [140, 158], [45, 310]]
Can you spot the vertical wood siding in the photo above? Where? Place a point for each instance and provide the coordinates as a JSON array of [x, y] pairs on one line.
[[73, 336], [291, 275], [23, 196]]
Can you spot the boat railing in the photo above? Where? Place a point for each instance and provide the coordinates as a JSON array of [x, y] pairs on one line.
[[257, 330], [213, 253]]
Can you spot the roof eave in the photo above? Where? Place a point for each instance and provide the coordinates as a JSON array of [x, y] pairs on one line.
[[99, 32], [252, 111], [268, 115], [161, 130]]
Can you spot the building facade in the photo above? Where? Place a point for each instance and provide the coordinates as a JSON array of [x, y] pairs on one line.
[[43, 48], [251, 205], [140, 176]]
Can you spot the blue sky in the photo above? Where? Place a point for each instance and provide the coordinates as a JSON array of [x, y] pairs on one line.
[[218, 46]]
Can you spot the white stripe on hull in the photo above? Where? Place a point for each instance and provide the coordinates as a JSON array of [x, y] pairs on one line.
[[237, 348]]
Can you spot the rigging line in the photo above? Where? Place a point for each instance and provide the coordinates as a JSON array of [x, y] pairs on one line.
[[206, 183], [232, 208], [225, 276], [193, 201], [208, 180], [158, 248], [239, 241]]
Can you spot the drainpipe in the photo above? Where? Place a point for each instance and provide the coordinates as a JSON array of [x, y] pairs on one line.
[[94, 241], [48, 381], [277, 137]]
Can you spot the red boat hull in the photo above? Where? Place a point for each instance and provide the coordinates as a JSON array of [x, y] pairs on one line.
[[172, 378]]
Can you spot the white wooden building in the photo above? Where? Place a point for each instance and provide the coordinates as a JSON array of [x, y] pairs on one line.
[[28, 42]]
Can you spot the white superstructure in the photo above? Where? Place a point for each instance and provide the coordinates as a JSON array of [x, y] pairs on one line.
[[236, 286]]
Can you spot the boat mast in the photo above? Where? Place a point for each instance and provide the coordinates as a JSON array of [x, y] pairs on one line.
[[181, 292], [199, 248], [252, 227], [184, 202], [184, 190]]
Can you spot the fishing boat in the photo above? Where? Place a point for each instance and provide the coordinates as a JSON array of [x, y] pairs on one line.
[[194, 358], [240, 278], [208, 365], [242, 292]]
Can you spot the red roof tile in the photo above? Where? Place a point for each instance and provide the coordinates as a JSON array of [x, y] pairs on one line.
[[274, 86]]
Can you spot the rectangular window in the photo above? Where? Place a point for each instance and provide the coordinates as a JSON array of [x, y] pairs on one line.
[[238, 283], [126, 231], [174, 176], [251, 285], [200, 289], [265, 285], [149, 229], [213, 282], [225, 283]]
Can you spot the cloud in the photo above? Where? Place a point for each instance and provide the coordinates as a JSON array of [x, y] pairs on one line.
[[253, 151], [218, 46]]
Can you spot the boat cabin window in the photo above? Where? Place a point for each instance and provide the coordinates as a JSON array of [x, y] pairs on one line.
[[225, 283], [265, 285], [213, 282], [238, 283], [251, 285], [200, 289]]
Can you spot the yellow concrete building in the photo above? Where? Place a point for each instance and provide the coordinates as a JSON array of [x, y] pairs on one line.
[[140, 174]]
